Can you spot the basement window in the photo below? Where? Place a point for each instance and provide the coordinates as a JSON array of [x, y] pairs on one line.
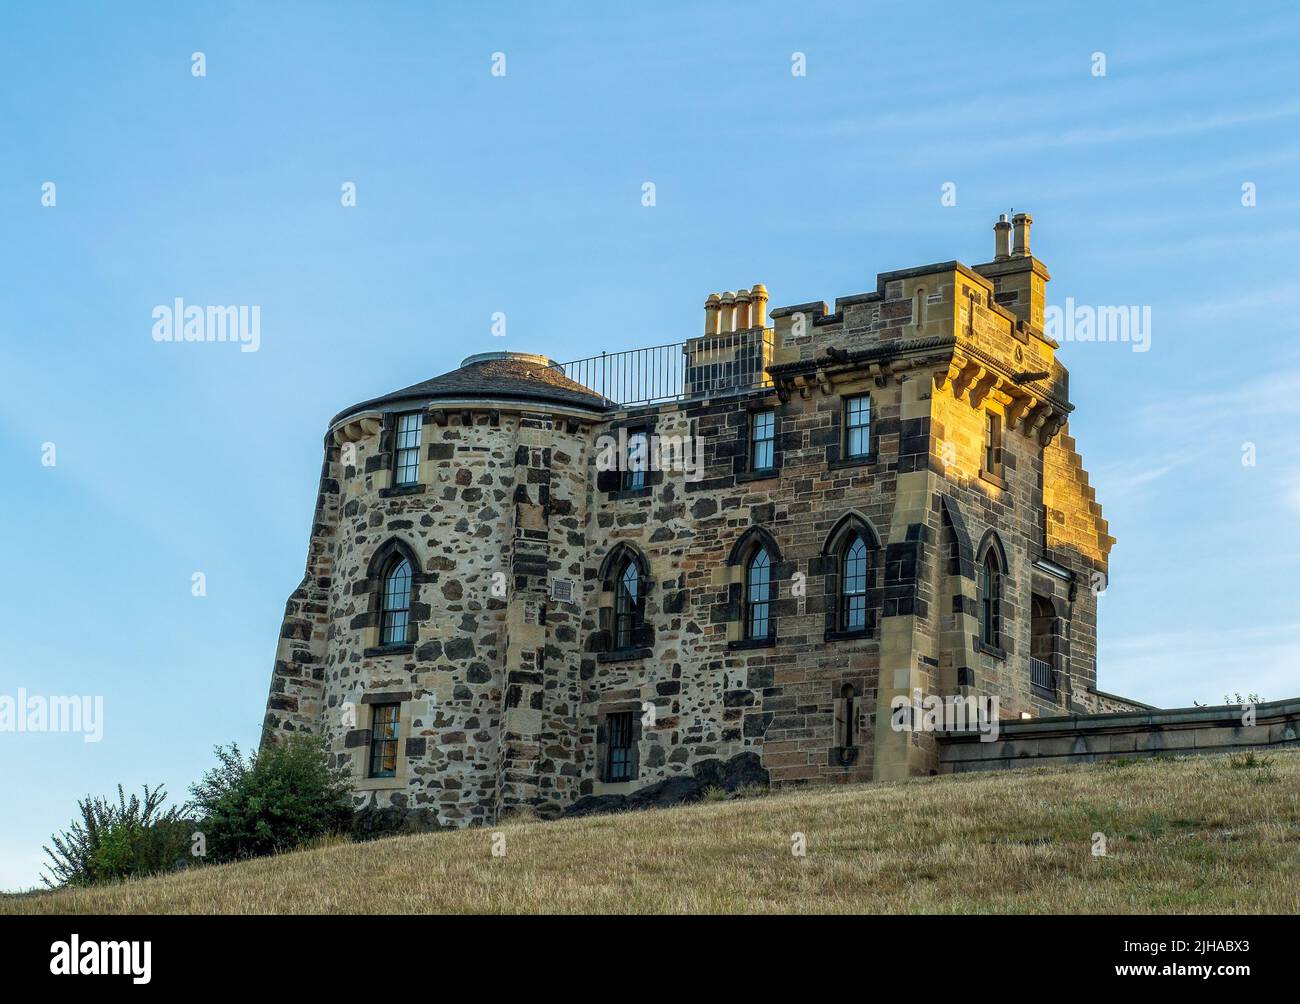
[[619, 750], [384, 734]]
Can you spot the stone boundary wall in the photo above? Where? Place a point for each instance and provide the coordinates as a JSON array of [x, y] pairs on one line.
[[1089, 738]]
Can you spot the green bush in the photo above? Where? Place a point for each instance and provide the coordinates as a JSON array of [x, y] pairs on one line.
[[126, 840], [276, 800]]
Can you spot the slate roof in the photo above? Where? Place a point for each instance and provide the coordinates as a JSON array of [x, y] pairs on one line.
[[498, 376]]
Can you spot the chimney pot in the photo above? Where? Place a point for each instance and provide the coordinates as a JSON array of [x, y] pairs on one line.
[[758, 305], [728, 313], [1002, 239], [742, 310], [1021, 223], [711, 314]]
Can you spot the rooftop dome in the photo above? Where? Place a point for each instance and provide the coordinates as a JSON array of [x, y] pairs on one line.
[[497, 376]]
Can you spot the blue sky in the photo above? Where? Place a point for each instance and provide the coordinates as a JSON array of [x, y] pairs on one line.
[[522, 194]]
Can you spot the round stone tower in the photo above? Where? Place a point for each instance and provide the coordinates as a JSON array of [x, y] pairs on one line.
[[434, 638]]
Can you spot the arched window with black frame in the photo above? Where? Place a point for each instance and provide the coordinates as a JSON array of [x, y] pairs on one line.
[[992, 572], [758, 595], [395, 617], [625, 584], [627, 604], [849, 558], [755, 560], [853, 584]]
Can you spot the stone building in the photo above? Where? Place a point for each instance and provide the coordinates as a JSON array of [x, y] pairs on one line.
[[719, 562]]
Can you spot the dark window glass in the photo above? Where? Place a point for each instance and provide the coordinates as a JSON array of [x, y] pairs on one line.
[[396, 604], [762, 451], [384, 734], [990, 600], [857, 426], [847, 726], [637, 460], [993, 443], [619, 732], [406, 455], [758, 595], [853, 585], [626, 608]]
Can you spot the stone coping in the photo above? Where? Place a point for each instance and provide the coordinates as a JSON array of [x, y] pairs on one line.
[[1225, 715]]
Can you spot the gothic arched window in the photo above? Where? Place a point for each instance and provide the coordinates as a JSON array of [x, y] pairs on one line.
[[990, 589], [853, 584], [627, 604], [758, 595], [394, 624]]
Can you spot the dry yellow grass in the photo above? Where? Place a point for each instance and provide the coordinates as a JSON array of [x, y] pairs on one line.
[[1195, 835]]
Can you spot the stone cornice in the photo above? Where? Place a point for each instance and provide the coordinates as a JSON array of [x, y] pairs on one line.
[[1030, 405], [823, 372]]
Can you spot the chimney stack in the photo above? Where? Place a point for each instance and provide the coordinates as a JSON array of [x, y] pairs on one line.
[[1021, 222], [1002, 239], [1019, 279], [739, 311]]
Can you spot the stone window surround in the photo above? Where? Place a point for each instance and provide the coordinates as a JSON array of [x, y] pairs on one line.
[[603, 712], [829, 566], [1000, 650], [361, 779], [607, 576], [1060, 656], [845, 757], [379, 467], [836, 458], [995, 477], [392, 421], [736, 572], [741, 466], [371, 586], [613, 487]]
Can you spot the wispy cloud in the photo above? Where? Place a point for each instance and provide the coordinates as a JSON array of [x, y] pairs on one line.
[[1289, 490], [1130, 477], [1223, 308], [1177, 668], [1273, 395]]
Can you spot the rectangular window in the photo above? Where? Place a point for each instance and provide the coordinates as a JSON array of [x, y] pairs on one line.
[[618, 730], [762, 441], [406, 452], [384, 729], [857, 426], [636, 461], [993, 444]]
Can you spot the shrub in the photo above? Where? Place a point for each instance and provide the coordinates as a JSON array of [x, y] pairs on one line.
[[1250, 761], [275, 800], [126, 840]]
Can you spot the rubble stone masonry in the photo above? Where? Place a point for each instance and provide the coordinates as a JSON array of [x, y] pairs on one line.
[[512, 685]]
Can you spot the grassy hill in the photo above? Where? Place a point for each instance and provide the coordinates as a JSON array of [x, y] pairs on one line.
[[1201, 834]]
